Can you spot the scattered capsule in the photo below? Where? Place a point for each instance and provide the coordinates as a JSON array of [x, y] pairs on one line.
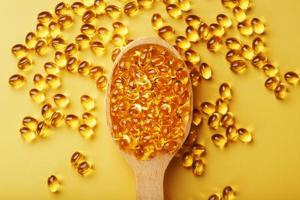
[[61, 8], [198, 150], [99, 7], [58, 44], [227, 120], [214, 44], [65, 21], [192, 34], [88, 3], [42, 30], [60, 59], [270, 70], [53, 184], [216, 30], [204, 32], [166, 2], [87, 102], [83, 41], [97, 48], [54, 29], [72, 121], [88, 29], [183, 43], [219, 140], [84, 68], [53, 81], [244, 135], [30, 123], [229, 3], [192, 56], [198, 167], [205, 71], [221, 106], [187, 160], [197, 118], [51, 68], [231, 133], [113, 11], [115, 53], [118, 40], [41, 47], [225, 91], [184, 5], [72, 64], [271, 83], [233, 43], [131, 8], [238, 66], [247, 52], [77, 158], [207, 108], [145, 3], [42, 129], [228, 193], [258, 45], [245, 28], [166, 32], [102, 82], [57, 119], [84, 168], [239, 14], [39, 82], [86, 131], [37, 96], [174, 11], [120, 28], [61, 100], [292, 78], [31, 40], [214, 121], [244, 4], [257, 26], [157, 21], [88, 16], [224, 21], [71, 49], [19, 50], [281, 91], [214, 196], [193, 21], [47, 111], [44, 17], [259, 60], [24, 64], [78, 8], [105, 35], [232, 55], [96, 72], [27, 134], [89, 119]]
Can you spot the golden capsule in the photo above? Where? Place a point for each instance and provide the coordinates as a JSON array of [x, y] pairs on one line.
[[258, 45], [187, 160], [19, 50], [84, 68], [229, 3], [54, 29], [231, 133], [198, 150], [292, 78], [88, 3], [204, 32], [102, 82], [71, 49], [221, 106], [87, 102], [225, 91], [244, 135], [61, 8], [95, 72], [39, 82], [88, 30], [183, 43], [281, 91], [24, 64], [227, 120], [57, 119], [30, 123], [42, 30], [214, 121], [238, 66], [89, 119], [65, 21], [83, 41], [61, 100], [233, 43], [97, 48], [27, 134], [120, 28], [214, 44], [131, 8], [166, 32], [216, 30], [198, 167], [145, 3], [104, 34], [88, 17], [113, 11], [193, 21], [60, 59], [72, 64], [41, 47], [197, 117], [259, 60], [51, 68], [84, 168], [37, 96], [245, 28], [53, 184], [174, 11], [192, 34], [118, 40], [205, 71], [219, 140], [184, 5], [169, 1], [53, 81], [78, 8], [44, 17], [72, 121], [271, 83], [224, 21], [42, 129], [239, 14], [232, 55], [47, 111], [58, 44], [77, 158], [270, 70], [31, 40], [244, 4], [257, 26], [157, 21], [207, 108], [247, 52], [99, 7], [192, 56], [85, 131]]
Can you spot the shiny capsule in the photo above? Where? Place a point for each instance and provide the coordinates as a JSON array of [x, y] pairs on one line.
[[205, 71], [192, 34], [37, 96], [87, 102], [244, 135], [184, 5], [258, 45], [99, 7], [84, 68], [31, 40], [41, 47], [78, 8], [131, 8], [233, 43], [245, 28], [214, 121], [118, 40], [24, 64], [207, 108], [88, 16], [229, 3], [54, 29], [225, 91], [259, 60], [39, 82], [102, 82], [280, 91], [27, 134], [61, 8], [231, 133], [65, 21], [113, 11], [83, 41], [193, 21], [257, 26], [58, 44], [232, 55], [219, 140], [88, 29], [271, 83], [89, 119], [61, 100], [105, 34], [115, 53], [42, 30], [19, 50], [239, 14], [270, 70], [166, 32], [42, 129], [77, 158], [187, 160], [228, 193], [88, 3], [120, 28], [247, 52], [53, 81], [238, 66], [216, 30], [204, 31], [192, 56], [214, 44], [53, 184], [44, 17], [197, 117], [198, 167], [227, 120], [95, 72], [30, 122], [214, 197], [57, 119], [198, 150], [292, 78], [174, 11], [47, 111], [182, 42], [51, 68], [97, 48], [84, 168], [244, 4], [157, 21], [71, 49], [224, 21], [72, 121], [60, 59], [221, 106], [72, 64], [85, 131]]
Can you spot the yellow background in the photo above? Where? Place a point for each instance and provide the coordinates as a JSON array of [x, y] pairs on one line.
[[267, 169]]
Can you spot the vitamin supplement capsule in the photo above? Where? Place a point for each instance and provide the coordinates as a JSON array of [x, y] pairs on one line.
[[24, 64], [214, 196], [96, 72], [247, 52], [60, 59], [88, 3], [97, 48], [65, 21], [84, 168], [84, 68], [259, 60], [71, 49], [44, 17], [216, 30], [225, 91], [61, 100], [72, 121], [244, 135], [245, 28], [57, 119], [157, 21], [72, 64], [31, 40], [204, 32], [89, 119], [231, 133], [27, 134], [51, 68], [61, 9], [187, 160], [88, 17], [238, 66], [166, 2], [195, 77], [244, 4], [281, 91], [219, 140], [229, 3], [227, 120], [131, 8], [214, 121], [39, 82], [292, 78], [239, 14], [53, 184], [42, 30], [198, 167], [233, 43], [221, 106], [232, 55], [120, 28], [78, 8], [183, 43], [113, 11], [192, 34], [99, 7], [197, 118], [257, 26], [88, 29], [207, 108], [47, 111], [53, 81], [271, 83], [30, 123], [102, 82], [224, 21], [58, 44], [77, 158], [37, 96], [54, 29], [105, 35], [145, 3], [193, 21], [41, 47], [83, 41], [270, 70], [258, 45], [85, 131], [205, 71], [184, 5], [19, 50], [214, 44], [166, 32], [42, 129], [87, 102], [192, 56], [198, 150], [174, 11], [118, 40], [228, 193]]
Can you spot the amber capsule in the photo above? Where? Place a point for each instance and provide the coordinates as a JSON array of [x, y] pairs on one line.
[[216, 29], [228, 193], [97, 48], [214, 44], [77, 158], [193, 21], [60, 59], [145, 3], [120, 28], [207, 108], [54, 29], [37, 96], [244, 135], [224, 21], [84, 168], [84, 68], [51, 68], [88, 16], [88, 3], [219, 140], [53, 81], [231, 133], [166, 32], [47, 111], [95, 72], [174, 11], [215, 196], [72, 64], [115, 53], [221, 106], [281, 91], [232, 55], [131, 8], [192, 56], [31, 40], [166, 2], [197, 118], [157, 21], [192, 34], [87, 102], [61, 100], [118, 40], [225, 91], [198, 167], [71, 49], [53, 184], [57, 119], [214, 121], [113, 11], [65, 21], [27, 134], [292, 78], [42, 30], [42, 129], [187, 160], [78, 8], [89, 119], [85, 131], [72, 121], [99, 7], [204, 32], [58, 44], [184, 5], [239, 14], [238, 66], [270, 70], [44, 17], [229, 3], [257, 26], [205, 71], [30, 122], [19, 50], [259, 60], [258, 45], [233, 43], [41, 47], [39, 82], [24, 64], [198, 150], [88, 29], [104, 34], [83, 41], [245, 28], [61, 8], [227, 120], [182, 42], [272, 82], [247, 52], [102, 82]]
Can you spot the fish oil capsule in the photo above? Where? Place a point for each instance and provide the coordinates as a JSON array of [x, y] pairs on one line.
[[53, 81], [205, 71], [224, 21], [24, 64], [118, 40], [47, 111], [30, 123], [193, 21], [257, 26], [88, 29], [88, 3], [85, 131], [207, 108], [61, 100], [57, 119], [78, 8], [131, 8], [157, 21], [71, 49], [184, 5], [102, 82], [259, 60], [89, 119], [239, 14], [19, 50], [244, 135], [232, 55], [174, 11], [238, 66], [105, 35], [214, 44], [219, 140], [247, 52], [244, 4], [245, 28], [58, 44], [72, 121], [97, 48], [292, 78], [197, 118], [42, 129], [258, 45], [84, 168], [72, 64], [166, 32], [84, 68], [39, 82], [87, 102], [192, 34], [227, 120], [60, 59], [221, 106], [271, 83], [44, 17], [77, 158], [214, 121], [113, 11], [27, 134], [54, 29], [115, 53], [214, 197], [42, 30], [145, 3], [169, 1], [53, 184], [99, 7], [61, 8], [231, 133], [51, 68], [281, 91], [225, 91], [187, 160], [198, 150], [229, 3], [198, 167], [41, 47], [228, 193], [65, 21], [204, 32], [83, 41], [88, 17], [96, 72], [183, 42], [216, 29], [192, 56], [233, 44], [37, 96], [120, 28], [31, 40], [270, 70]]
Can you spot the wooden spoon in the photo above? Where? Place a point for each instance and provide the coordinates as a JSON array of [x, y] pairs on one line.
[[150, 173]]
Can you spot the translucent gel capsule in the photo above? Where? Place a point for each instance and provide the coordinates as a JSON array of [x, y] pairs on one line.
[[78, 8], [169, 1], [30, 122], [102, 82], [88, 29], [27, 134], [53, 81], [183, 42], [88, 16], [42, 30], [247, 52], [227, 120], [96, 72], [72, 121], [228, 193], [244, 135], [145, 3], [271, 83], [207, 108], [174, 11], [60, 59], [131, 8], [97, 48], [120, 28], [83, 41], [61, 8], [257, 26], [198, 167], [58, 44], [87, 102], [84, 68], [259, 60], [51, 68], [197, 118], [225, 91], [238, 66], [239, 14], [53, 184], [229, 3], [214, 44], [219, 140], [41, 47], [57, 119], [258, 45], [99, 7], [37, 96], [231, 133], [232, 55], [39, 82], [244, 4], [192, 34], [233, 43], [224, 21], [113, 11], [245, 28], [216, 29], [292, 78], [24, 64], [193, 21], [221, 106], [205, 71], [105, 34], [85, 131], [65, 21], [198, 150], [61, 100], [71, 49], [42, 129], [115, 53], [157, 21], [281, 91], [88, 3], [77, 158], [166, 32], [214, 121], [192, 56], [118, 40], [72, 64], [89, 119], [187, 160], [270, 70], [54, 29], [44, 17], [84, 168], [19, 50], [214, 196], [47, 111], [31, 40]]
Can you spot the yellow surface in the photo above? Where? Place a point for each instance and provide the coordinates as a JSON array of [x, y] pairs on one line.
[[267, 169]]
